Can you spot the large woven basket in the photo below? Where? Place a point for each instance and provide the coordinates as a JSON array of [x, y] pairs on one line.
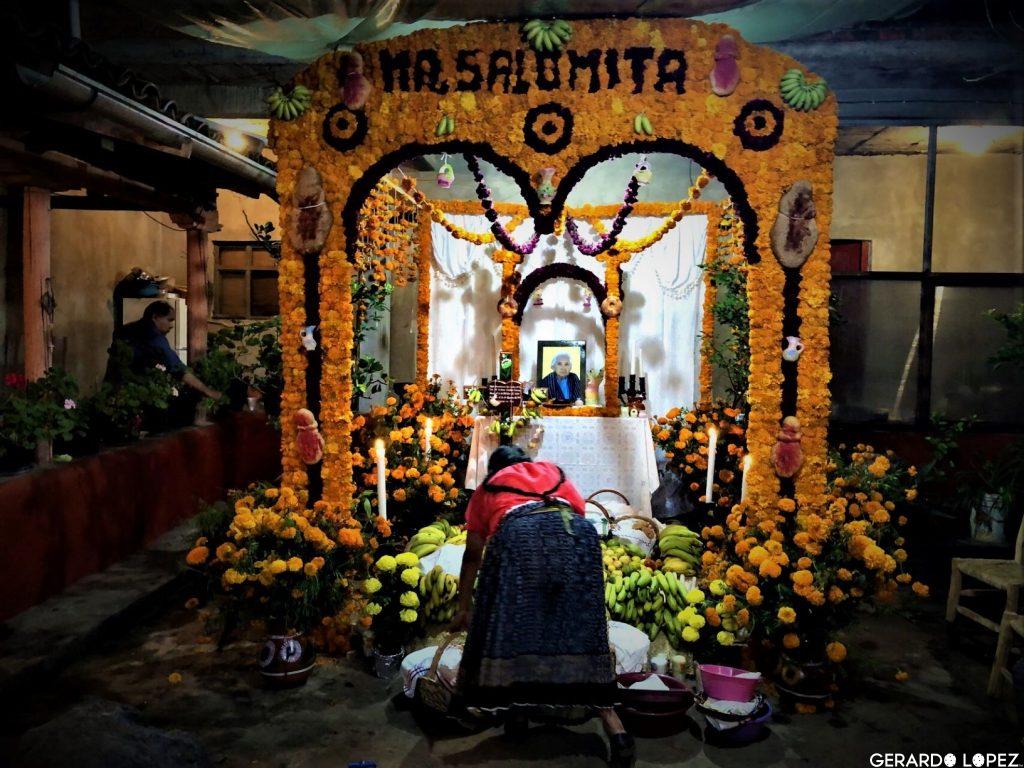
[[432, 689]]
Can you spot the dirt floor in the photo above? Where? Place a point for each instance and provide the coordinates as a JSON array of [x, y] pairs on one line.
[[344, 714]]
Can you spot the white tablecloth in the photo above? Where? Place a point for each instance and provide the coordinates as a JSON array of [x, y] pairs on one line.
[[595, 452]]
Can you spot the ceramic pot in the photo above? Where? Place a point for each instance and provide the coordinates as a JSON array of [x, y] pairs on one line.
[[286, 661], [803, 682], [988, 520], [386, 665], [792, 352]]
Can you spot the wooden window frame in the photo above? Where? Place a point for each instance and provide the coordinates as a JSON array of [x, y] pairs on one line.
[[236, 245]]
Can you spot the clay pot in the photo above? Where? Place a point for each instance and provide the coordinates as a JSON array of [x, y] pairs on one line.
[[287, 660], [803, 682]]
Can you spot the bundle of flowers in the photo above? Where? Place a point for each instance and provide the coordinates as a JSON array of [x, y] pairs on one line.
[[285, 563], [802, 572], [392, 600], [422, 485], [684, 438]]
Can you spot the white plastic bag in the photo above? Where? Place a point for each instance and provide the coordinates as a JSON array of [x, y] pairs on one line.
[[629, 645]]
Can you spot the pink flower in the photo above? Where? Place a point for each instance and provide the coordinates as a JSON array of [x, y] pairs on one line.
[[69, 404]]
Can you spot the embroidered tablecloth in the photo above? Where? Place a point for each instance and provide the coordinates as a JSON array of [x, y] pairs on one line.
[[595, 452]]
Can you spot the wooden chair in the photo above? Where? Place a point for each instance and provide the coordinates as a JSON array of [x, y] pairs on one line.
[[1012, 622], [999, 575]]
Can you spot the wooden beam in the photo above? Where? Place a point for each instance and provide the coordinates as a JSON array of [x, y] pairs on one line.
[[198, 306], [35, 256], [198, 227]]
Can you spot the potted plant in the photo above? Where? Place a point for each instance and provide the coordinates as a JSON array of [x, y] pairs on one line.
[[35, 413], [392, 594], [988, 491], [284, 565]]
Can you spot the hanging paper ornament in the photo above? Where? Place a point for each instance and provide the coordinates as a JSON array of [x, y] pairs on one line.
[[587, 299], [445, 174], [642, 171], [538, 299]]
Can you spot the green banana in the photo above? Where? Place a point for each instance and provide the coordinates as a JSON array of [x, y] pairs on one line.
[[645, 125]]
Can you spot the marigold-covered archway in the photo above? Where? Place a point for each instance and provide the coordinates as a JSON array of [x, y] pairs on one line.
[[525, 110]]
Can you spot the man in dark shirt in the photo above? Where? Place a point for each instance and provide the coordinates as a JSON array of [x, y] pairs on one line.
[[148, 341]]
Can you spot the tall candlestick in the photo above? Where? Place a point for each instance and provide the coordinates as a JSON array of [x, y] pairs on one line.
[[382, 491], [640, 363], [747, 461], [712, 451], [428, 428]]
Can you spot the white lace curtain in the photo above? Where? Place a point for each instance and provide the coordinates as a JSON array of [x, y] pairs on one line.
[[661, 318]]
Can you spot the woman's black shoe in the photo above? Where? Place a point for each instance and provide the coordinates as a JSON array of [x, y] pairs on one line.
[[623, 750]]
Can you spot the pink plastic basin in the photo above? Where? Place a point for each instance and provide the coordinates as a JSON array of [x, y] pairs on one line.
[[726, 683]]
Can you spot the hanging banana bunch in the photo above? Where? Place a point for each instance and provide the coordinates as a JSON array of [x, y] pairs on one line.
[[800, 94], [547, 35], [289, 106]]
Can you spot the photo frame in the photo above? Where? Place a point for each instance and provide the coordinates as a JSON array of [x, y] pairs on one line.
[[547, 352]]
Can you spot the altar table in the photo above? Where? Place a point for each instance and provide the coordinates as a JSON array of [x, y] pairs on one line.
[[595, 452]]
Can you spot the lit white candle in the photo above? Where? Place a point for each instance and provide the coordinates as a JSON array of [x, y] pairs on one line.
[[712, 451], [382, 491], [747, 461], [428, 428], [639, 362]]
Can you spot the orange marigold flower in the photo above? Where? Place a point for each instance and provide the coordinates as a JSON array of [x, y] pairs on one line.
[[791, 641], [836, 652], [787, 505], [197, 555], [786, 615], [802, 578], [921, 590]]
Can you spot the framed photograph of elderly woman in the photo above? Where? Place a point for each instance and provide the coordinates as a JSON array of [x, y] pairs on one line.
[[559, 364]]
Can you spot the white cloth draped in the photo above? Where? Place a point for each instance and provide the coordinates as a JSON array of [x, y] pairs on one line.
[[662, 300]]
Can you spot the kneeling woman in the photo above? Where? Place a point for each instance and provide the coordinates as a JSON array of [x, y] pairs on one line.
[[537, 628]]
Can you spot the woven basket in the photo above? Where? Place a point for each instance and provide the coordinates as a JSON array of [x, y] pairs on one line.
[[432, 689]]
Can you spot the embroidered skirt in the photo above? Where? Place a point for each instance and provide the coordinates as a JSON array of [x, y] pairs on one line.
[[538, 635]]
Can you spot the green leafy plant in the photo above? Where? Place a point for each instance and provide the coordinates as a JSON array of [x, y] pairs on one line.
[[1012, 351], [218, 368], [118, 411], [729, 348], [38, 411], [255, 349]]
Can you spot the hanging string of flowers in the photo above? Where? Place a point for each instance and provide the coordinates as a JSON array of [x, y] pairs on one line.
[[500, 233], [684, 207], [608, 239]]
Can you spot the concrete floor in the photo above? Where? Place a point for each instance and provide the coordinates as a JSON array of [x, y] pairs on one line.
[[344, 714]]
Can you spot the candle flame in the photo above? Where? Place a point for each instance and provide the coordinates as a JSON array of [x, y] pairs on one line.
[[712, 435], [378, 447], [430, 423]]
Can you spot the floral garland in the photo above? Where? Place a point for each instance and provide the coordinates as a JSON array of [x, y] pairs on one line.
[[491, 114], [424, 254], [500, 233], [676, 215], [608, 239]]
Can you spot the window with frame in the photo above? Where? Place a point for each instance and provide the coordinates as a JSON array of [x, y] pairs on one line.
[[245, 281], [928, 242]]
